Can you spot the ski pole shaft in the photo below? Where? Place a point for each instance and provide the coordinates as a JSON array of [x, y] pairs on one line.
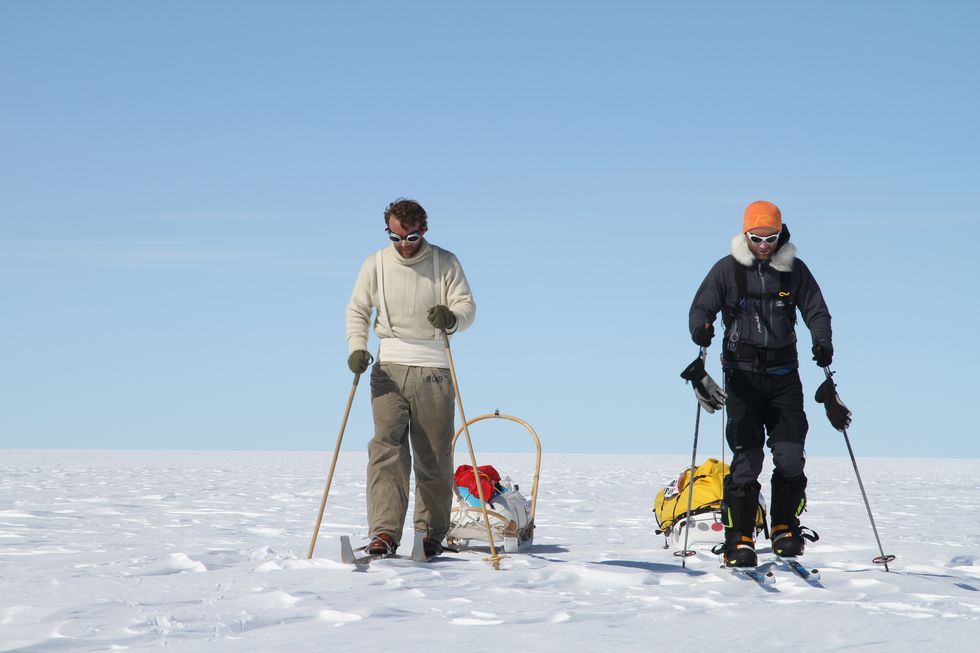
[[724, 443], [333, 465], [494, 557], [690, 481], [884, 559], [690, 490]]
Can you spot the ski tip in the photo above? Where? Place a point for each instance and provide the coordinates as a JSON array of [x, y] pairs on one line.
[[418, 549], [347, 552]]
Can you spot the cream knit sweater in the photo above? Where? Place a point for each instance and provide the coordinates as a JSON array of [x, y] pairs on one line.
[[410, 290]]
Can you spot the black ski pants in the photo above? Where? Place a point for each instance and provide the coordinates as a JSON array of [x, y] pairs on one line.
[[765, 409]]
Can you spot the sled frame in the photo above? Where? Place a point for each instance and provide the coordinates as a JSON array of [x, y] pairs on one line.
[[534, 436]]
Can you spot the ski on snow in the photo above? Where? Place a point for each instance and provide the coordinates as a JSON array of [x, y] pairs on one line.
[[811, 576], [349, 555], [762, 575]]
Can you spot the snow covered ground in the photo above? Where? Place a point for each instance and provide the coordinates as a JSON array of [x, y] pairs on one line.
[[205, 551]]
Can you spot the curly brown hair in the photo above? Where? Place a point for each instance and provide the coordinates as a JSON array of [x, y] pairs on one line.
[[409, 212]]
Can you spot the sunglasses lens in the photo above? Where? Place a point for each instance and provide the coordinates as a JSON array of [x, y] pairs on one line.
[[410, 238]]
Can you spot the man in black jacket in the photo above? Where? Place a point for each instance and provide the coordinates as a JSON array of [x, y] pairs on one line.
[[758, 289]]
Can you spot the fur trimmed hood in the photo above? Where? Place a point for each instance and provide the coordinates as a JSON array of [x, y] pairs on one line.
[[782, 259]]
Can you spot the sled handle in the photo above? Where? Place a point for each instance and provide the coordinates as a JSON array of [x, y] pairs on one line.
[[537, 443]]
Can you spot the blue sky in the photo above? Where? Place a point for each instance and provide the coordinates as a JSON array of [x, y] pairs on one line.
[[189, 189]]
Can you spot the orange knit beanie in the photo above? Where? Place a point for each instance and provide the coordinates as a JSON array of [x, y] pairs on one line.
[[762, 214]]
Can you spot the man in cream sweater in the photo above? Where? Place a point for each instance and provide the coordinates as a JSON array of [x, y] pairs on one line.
[[419, 290]]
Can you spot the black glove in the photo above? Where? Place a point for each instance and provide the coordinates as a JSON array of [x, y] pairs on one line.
[[707, 392], [441, 317], [703, 334], [823, 353], [359, 361], [837, 412]]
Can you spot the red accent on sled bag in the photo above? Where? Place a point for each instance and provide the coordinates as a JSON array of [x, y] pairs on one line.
[[488, 476]]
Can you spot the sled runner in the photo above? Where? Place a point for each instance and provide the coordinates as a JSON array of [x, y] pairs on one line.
[[511, 514], [706, 523]]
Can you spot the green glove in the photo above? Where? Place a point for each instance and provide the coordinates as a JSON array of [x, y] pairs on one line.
[[359, 361], [441, 317]]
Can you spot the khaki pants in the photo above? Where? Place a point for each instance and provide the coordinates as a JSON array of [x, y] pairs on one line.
[[412, 406]]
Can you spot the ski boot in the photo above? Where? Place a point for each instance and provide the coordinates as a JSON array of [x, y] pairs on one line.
[[432, 547], [739, 508], [738, 550], [382, 544], [789, 541]]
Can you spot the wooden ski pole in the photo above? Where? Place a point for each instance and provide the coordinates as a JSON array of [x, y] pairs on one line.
[[494, 558], [333, 465]]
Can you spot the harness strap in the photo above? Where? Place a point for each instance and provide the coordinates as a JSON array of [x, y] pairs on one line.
[[742, 281], [784, 295], [382, 307], [440, 287], [764, 357], [439, 294]]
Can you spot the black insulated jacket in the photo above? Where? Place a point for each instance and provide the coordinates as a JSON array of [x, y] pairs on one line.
[[760, 317]]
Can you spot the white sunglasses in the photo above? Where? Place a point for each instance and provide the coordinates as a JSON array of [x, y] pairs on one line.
[[758, 240], [410, 238]]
